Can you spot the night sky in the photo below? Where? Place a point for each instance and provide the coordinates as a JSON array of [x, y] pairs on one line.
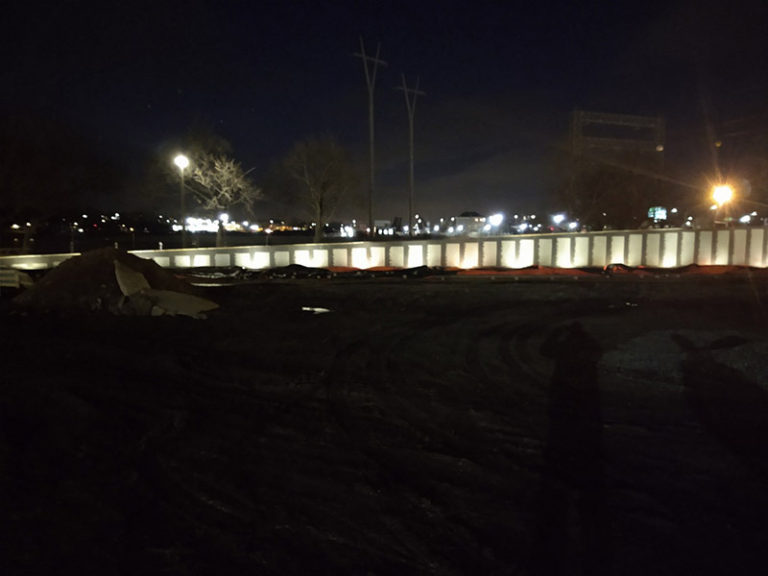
[[500, 79]]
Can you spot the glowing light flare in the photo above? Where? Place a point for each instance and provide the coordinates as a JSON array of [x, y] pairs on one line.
[[181, 161], [722, 194]]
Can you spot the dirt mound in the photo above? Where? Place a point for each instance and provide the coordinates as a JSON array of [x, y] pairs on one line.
[[87, 283]]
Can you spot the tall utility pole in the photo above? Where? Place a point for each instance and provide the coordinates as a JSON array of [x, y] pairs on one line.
[[410, 104], [370, 79]]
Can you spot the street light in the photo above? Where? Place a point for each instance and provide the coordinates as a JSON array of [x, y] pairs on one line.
[[722, 194], [182, 162]]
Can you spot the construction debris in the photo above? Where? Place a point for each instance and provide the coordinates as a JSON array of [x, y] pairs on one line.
[[113, 281]]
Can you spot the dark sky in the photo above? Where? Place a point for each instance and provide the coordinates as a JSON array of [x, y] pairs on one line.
[[501, 79]]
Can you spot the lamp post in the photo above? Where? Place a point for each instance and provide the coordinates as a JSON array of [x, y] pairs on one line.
[[722, 194], [182, 162]]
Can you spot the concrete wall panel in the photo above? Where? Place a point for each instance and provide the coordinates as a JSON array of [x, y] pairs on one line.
[[581, 254], [757, 247], [453, 255], [490, 253], [669, 249], [687, 245], [599, 251], [416, 255], [471, 258], [434, 254], [722, 248], [635, 256], [739, 255], [617, 247]]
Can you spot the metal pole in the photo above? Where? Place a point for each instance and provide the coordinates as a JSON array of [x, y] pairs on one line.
[[371, 156], [410, 104], [370, 79], [410, 171], [183, 213]]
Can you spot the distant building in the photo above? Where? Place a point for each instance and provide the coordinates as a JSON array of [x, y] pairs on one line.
[[638, 140], [617, 167], [469, 223]]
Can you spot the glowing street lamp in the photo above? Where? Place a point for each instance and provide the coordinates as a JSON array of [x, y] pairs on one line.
[[182, 162], [722, 194]]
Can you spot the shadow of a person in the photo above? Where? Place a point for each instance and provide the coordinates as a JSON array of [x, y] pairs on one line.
[[572, 537]]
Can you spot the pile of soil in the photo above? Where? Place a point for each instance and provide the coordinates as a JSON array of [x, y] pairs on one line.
[[87, 283]]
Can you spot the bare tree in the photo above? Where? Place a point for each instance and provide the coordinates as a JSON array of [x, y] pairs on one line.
[[322, 176], [219, 183]]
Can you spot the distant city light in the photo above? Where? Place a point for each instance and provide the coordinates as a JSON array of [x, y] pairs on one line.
[[496, 219], [558, 218]]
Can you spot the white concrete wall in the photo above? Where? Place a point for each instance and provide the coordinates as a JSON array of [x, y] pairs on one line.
[[652, 248], [669, 248]]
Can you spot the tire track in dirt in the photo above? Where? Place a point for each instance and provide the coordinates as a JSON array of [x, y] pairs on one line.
[[473, 443]]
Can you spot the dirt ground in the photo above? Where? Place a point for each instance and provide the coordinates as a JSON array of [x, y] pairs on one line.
[[436, 425]]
